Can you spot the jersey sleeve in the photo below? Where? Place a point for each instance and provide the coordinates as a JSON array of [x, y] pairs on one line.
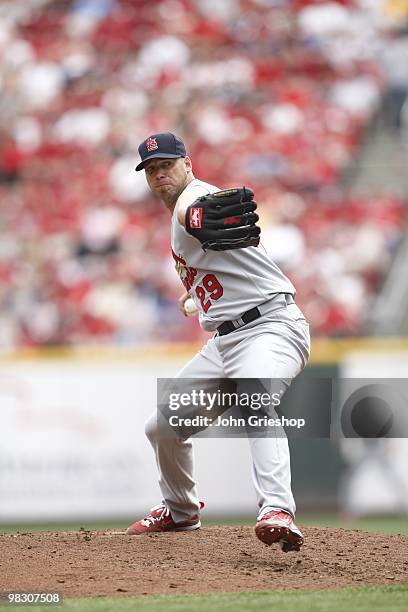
[[191, 193]]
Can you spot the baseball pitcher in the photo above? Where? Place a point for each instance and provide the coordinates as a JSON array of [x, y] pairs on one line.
[[259, 333]]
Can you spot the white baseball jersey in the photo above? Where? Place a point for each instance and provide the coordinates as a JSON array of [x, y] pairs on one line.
[[223, 284]]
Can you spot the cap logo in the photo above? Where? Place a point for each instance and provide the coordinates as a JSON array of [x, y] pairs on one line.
[[196, 215], [151, 144]]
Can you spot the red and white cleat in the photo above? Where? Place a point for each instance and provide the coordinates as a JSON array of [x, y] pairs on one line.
[[278, 527], [160, 520]]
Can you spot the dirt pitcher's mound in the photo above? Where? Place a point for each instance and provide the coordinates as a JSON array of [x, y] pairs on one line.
[[212, 559]]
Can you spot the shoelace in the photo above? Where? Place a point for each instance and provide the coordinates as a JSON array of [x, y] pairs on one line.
[[151, 520]]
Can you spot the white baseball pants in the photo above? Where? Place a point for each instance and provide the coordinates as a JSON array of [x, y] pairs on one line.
[[275, 346]]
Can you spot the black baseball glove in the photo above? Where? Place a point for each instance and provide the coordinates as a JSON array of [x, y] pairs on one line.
[[224, 220]]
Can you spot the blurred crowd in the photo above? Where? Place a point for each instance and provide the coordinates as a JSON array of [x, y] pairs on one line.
[[273, 94]]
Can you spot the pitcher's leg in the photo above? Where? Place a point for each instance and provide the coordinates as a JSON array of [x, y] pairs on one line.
[[271, 474], [174, 456], [175, 465], [273, 356]]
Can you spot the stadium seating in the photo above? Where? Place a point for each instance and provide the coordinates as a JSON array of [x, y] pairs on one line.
[[273, 94]]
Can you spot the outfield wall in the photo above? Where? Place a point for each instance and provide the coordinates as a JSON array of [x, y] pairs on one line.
[[73, 446]]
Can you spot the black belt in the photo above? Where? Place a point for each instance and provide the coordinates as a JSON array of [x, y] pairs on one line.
[[250, 315]]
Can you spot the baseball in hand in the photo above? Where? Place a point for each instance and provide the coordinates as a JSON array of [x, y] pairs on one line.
[[189, 307]]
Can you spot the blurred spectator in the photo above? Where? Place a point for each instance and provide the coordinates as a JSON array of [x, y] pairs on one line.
[[100, 229]]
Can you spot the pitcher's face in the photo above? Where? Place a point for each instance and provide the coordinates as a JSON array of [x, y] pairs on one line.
[[167, 177]]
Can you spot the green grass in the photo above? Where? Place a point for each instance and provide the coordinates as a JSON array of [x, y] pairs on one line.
[[366, 599], [379, 524], [385, 524]]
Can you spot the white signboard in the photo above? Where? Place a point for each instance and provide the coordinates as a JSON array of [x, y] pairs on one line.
[[72, 444]]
